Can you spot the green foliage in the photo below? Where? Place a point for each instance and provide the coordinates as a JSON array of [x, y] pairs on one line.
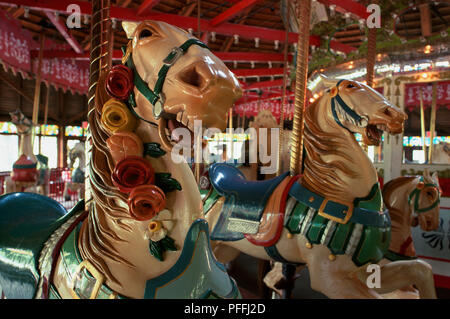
[[157, 248], [166, 182], [153, 150]]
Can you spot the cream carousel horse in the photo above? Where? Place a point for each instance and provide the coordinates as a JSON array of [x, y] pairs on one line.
[[441, 153], [263, 120], [331, 218], [144, 235], [410, 201], [78, 162]]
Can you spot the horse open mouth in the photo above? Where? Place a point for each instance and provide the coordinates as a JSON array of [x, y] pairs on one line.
[[374, 133], [177, 130]]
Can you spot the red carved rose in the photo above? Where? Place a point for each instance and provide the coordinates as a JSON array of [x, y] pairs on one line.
[[119, 82], [131, 172], [146, 201]]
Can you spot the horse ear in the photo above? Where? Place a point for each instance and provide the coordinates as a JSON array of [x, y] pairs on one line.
[[328, 82], [129, 27], [426, 173], [435, 176]]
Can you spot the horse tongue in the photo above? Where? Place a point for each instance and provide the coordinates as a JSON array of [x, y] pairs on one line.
[[172, 125]]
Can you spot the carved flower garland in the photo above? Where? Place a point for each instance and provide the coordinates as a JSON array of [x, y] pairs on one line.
[[133, 174]]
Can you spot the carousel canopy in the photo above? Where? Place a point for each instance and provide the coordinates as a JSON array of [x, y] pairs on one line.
[[248, 35]]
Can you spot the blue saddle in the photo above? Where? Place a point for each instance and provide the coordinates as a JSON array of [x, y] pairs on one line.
[[244, 201], [27, 220]]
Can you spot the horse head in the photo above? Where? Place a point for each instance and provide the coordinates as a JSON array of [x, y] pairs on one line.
[[265, 119], [22, 123], [424, 202], [198, 85], [361, 109]]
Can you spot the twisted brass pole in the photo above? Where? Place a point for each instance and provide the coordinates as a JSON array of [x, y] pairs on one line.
[[283, 97], [300, 86], [99, 60]]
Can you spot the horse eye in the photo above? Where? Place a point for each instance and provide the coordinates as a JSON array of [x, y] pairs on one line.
[[145, 34], [350, 86]]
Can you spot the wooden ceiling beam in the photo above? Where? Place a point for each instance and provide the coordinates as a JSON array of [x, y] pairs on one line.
[[425, 19], [146, 6], [232, 12], [61, 27]]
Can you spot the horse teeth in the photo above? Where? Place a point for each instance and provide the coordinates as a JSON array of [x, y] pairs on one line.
[[179, 116]]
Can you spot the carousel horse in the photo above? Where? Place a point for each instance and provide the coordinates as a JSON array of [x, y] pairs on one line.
[[263, 120], [331, 217], [143, 235], [441, 153], [76, 154], [24, 175], [410, 201]]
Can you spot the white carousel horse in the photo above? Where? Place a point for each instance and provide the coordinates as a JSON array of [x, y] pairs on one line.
[[24, 177], [144, 235], [331, 219], [77, 162]]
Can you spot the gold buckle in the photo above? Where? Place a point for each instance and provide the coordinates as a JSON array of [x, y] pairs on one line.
[[100, 279], [348, 214]]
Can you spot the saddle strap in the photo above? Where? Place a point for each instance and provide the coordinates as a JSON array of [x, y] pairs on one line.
[[339, 211]]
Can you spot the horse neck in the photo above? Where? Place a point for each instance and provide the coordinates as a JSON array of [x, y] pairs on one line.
[[400, 213], [128, 262], [25, 145], [335, 165]]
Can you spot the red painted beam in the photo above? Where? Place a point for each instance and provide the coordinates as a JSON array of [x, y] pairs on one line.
[[146, 6], [257, 72], [250, 56], [117, 55], [349, 6], [264, 84], [339, 46], [232, 12], [130, 14], [61, 27]]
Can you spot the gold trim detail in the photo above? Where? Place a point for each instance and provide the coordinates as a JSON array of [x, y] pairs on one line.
[[100, 279], [348, 213]]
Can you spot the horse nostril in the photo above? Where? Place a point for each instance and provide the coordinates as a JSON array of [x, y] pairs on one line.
[[193, 76]]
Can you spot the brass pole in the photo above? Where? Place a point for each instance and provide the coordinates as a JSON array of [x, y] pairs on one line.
[[370, 63], [432, 122], [99, 61], [422, 126], [300, 86], [283, 97], [37, 89]]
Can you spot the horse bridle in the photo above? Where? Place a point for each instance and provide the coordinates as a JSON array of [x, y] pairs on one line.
[[156, 97], [415, 194], [361, 121]]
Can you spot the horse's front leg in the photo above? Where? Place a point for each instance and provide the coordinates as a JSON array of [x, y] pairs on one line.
[[400, 274]]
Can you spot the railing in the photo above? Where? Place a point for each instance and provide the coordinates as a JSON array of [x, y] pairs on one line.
[[59, 177]]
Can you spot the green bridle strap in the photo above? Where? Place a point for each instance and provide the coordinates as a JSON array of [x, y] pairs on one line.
[[155, 97], [415, 195]]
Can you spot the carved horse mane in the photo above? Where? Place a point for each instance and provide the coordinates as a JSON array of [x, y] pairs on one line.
[[109, 202]]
